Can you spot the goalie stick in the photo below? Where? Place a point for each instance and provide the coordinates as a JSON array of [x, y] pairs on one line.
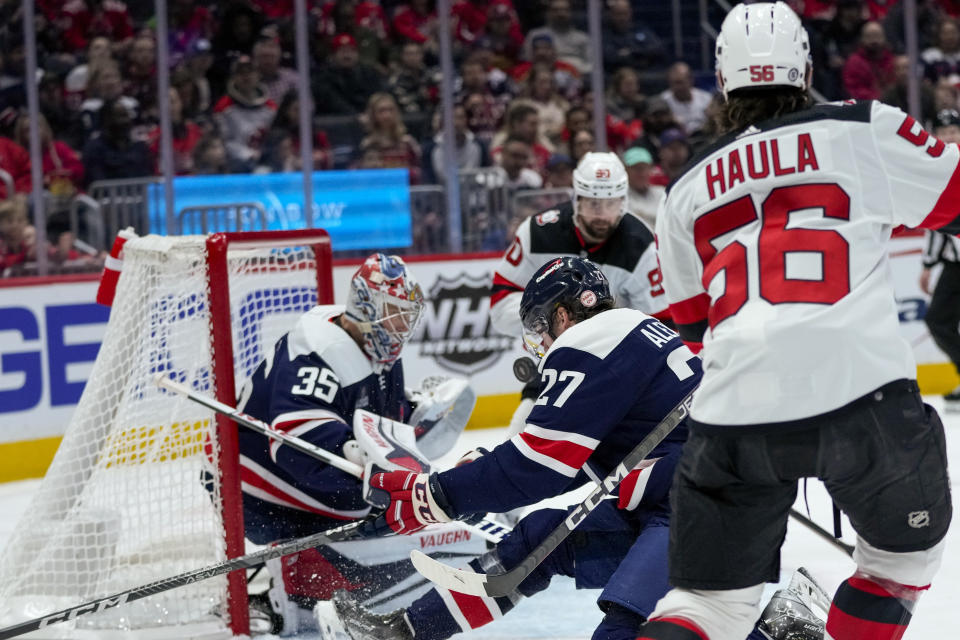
[[488, 528], [497, 585], [358, 529]]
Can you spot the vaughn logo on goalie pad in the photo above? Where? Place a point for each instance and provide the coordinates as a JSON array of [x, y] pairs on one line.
[[455, 329]]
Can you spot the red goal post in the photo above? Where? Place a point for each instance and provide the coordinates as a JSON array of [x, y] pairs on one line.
[[145, 484]]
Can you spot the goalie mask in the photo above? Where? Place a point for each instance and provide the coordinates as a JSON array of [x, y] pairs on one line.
[[385, 302], [576, 283], [599, 195]]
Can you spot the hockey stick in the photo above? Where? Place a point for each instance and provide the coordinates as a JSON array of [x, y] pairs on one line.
[[497, 585], [488, 529], [820, 531], [358, 529]]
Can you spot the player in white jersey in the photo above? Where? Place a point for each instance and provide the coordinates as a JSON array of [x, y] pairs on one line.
[[774, 257], [943, 313], [592, 225]]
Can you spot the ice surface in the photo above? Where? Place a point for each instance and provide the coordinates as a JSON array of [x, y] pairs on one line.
[[562, 612]]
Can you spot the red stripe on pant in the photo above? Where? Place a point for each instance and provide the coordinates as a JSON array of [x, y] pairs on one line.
[[473, 608]]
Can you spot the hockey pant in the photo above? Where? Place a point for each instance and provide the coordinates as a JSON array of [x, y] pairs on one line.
[[606, 551]]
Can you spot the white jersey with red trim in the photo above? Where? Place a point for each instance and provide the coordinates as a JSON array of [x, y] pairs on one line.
[[309, 387], [773, 245], [628, 258]]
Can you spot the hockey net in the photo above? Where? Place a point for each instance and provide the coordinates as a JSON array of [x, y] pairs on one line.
[[145, 483]]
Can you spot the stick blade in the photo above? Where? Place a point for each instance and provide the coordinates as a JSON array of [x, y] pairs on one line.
[[459, 580]]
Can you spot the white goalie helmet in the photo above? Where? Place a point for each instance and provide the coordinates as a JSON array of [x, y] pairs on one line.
[[762, 44]]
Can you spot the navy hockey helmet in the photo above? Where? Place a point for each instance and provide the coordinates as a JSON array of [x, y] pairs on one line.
[[576, 283]]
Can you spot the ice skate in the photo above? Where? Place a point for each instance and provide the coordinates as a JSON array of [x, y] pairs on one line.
[[951, 401], [797, 612], [343, 618], [275, 612]]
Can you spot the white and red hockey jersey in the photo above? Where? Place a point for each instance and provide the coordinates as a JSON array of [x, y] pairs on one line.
[[628, 258], [773, 246]]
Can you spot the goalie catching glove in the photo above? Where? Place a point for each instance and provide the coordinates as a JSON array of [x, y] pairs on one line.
[[442, 407], [416, 500]]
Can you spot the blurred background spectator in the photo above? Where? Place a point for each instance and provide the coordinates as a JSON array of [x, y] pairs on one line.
[[673, 156], [105, 84], [868, 73], [522, 122], [282, 147], [112, 153], [17, 237], [185, 135], [626, 44], [275, 79], [413, 86], [387, 135], [657, 118], [243, 115], [559, 172], [471, 152], [62, 167], [687, 102], [942, 61], [572, 45], [344, 84], [210, 156], [896, 95], [643, 198], [15, 160], [541, 90]]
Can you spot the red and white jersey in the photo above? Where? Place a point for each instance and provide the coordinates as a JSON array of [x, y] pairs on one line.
[[773, 246], [628, 258]]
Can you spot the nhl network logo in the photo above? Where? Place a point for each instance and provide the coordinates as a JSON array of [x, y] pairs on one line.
[[455, 329]]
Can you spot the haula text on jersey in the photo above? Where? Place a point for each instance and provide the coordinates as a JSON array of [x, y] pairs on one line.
[[756, 161]]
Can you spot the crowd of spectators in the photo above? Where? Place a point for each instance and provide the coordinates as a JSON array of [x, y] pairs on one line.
[[523, 96]]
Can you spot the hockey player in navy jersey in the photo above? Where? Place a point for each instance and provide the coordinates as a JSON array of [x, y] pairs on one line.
[[334, 361], [593, 225], [610, 376], [773, 245]]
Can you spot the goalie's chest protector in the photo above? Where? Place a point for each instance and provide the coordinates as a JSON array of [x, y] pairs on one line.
[[319, 366]]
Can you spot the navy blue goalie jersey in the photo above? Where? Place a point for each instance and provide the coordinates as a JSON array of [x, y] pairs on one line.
[[606, 383], [309, 387]]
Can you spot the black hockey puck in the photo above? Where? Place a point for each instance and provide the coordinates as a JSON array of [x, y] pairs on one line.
[[525, 369]]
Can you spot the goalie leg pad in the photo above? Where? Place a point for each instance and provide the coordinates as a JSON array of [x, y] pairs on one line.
[[442, 410]]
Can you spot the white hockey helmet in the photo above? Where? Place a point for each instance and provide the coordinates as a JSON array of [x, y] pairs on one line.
[[762, 44], [600, 175]]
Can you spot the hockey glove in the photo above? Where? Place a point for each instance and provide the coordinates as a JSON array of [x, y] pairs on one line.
[[416, 500]]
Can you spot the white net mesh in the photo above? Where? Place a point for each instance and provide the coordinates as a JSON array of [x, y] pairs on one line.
[[133, 492]]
